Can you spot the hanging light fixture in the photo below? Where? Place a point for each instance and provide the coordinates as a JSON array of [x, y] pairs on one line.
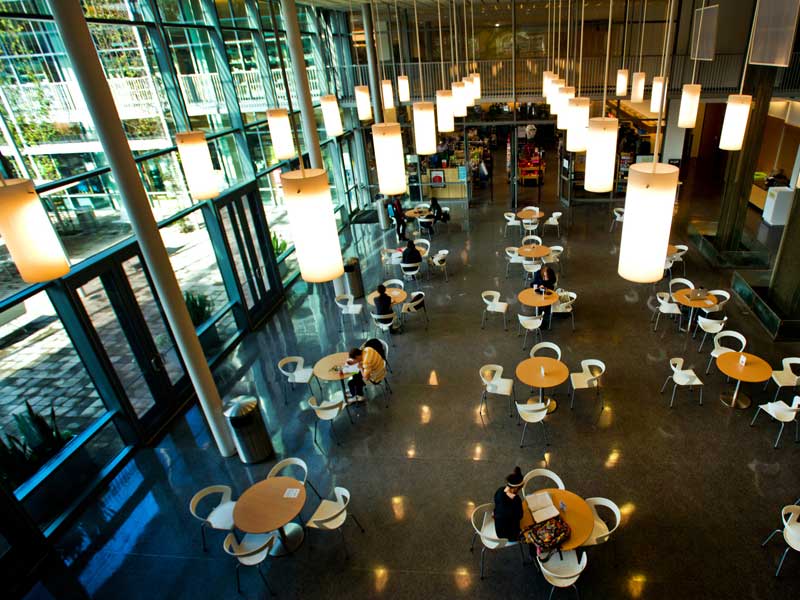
[[690, 93], [601, 140], [459, 100], [280, 132], [548, 74], [387, 93], [444, 97], [475, 76], [565, 94], [639, 76], [555, 95], [649, 202], [28, 234], [331, 116], [579, 107], [657, 93], [389, 159], [363, 103], [197, 166], [403, 89], [424, 113], [622, 73]]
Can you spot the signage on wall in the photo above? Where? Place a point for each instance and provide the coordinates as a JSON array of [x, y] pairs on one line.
[[462, 173]]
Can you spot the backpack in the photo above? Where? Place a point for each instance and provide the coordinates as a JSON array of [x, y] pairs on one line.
[[390, 210], [547, 535]]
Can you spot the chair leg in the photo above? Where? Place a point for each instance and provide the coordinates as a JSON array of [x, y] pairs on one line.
[[357, 522], [674, 389], [344, 544], [315, 432], [552, 589], [483, 552], [544, 430], [755, 416], [663, 387], [572, 399], [780, 564], [778, 439], [203, 536], [777, 391], [308, 481], [333, 434], [483, 319], [238, 587], [658, 316], [522, 439], [708, 367], [701, 395], [264, 579], [769, 537], [703, 341]]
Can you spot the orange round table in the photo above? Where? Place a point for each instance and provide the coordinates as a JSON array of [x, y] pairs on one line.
[[531, 297], [529, 213], [416, 213], [754, 370], [671, 250], [329, 367], [264, 507], [397, 295], [682, 297], [576, 512], [543, 372], [533, 251]]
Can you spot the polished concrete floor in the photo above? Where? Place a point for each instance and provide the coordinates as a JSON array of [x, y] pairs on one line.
[[698, 487]]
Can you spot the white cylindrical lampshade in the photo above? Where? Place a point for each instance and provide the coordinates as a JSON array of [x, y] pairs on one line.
[[622, 83], [363, 103], [280, 131], [547, 77], [314, 233], [459, 101], [637, 86], [444, 111], [403, 91], [387, 93], [28, 234], [657, 94], [690, 99], [648, 218], [197, 166], [424, 128], [565, 94], [578, 126], [389, 159], [555, 95], [476, 86], [601, 154], [331, 116], [469, 98], [735, 122]]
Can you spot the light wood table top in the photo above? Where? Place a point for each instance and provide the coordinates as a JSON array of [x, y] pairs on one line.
[[529, 213], [578, 515], [671, 250], [531, 297], [533, 251], [529, 372], [263, 508], [682, 297], [324, 368], [755, 370], [397, 295], [416, 213]]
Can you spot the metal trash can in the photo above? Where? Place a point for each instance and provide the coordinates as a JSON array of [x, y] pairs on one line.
[[340, 285], [380, 204], [354, 284], [249, 433]]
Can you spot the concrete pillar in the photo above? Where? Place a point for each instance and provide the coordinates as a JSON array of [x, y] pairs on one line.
[[372, 64], [78, 43], [784, 286], [297, 57]]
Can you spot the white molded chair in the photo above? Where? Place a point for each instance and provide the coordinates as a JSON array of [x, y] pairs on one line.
[[785, 377], [530, 267], [589, 377], [410, 271], [346, 304], [493, 305], [389, 258], [541, 347], [533, 413], [529, 324], [288, 463], [423, 206], [667, 307], [511, 221], [383, 323], [668, 267], [300, 374], [513, 258], [678, 256], [780, 411], [529, 226], [552, 221], [532, 239], [426, 225], [424, 244], [679, 283], [439, 261], [790, 515], [565, 306], [415, 306], [711, 326], [332, 514], [722, 299], [619, 217], [220, 517], [395, 283], [602, 531], [495, 383], [563, 569], [327, 411], [251, 551], [554, 258], [719, 349], [482, 520], [547, 474], [682, 377]]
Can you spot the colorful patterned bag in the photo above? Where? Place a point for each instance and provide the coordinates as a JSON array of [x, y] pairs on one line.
[[547, 535]]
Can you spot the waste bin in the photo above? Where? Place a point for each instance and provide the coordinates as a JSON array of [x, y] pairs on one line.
[[354, 284], [340, 285], [380, 204], [249, 433]]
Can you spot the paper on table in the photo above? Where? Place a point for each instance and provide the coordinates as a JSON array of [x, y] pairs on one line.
[[542, 507], [349, 369], [291, 493]]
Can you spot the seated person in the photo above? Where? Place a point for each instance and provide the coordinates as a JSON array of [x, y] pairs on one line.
[[383, 304], [371, 367], [544, 279], [411, 256], [508, 507], [438, 212]]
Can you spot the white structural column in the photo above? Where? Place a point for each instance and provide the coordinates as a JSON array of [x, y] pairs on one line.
[[298, 60], [86, 66]]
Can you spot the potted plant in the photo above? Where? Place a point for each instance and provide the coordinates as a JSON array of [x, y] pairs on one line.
[[279, 245], [201, 309]]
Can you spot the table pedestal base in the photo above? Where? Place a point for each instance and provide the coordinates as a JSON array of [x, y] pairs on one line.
[[740, 400], [553, 404], [291, 536]]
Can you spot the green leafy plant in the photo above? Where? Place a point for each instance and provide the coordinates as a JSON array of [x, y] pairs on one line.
[[200, 306], [279, 245], [185, 225]]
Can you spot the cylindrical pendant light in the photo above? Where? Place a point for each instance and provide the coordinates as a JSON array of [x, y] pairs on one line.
[[444, 111], [601, 154], [403, 91], [280, 132], [637, 86], [459, 101], [547, 77], [476, 86], [622, 83], [578, 129], [28, 234], [565, 94], [387, 93], [389, 158], [313, 224], [424, 128], [331, 116], [363, 103], [649, 202], [690, 99], [555, 95], [657, 94], [197, 166], [735, 122], [469, 97]]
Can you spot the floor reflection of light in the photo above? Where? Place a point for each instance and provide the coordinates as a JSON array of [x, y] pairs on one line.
[[470, 508], [381, 578], [424, 414], [463, 579], [433, 378], [547, 456], [478, 416], [636, 585], [412, 451], [627, 510], [399, 507], [477, 453], [613, 459], [606, 418]]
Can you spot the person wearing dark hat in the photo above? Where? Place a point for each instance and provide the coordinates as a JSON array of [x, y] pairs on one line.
[[508, 507]]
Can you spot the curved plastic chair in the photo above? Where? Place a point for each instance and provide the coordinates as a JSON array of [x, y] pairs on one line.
[[513, 258], [383, 322], [780, 411], [563, 307], [533, 413], [532, 239], [785, 377], [394, 283], [327, 411], [332, 514], [529, 324], [678, 284], [424, 244], [511, 221], [493, 305], [415, 306], [682, 377], [410, 271], [588, 379], [530, 267], [554, 258], [300, 374], [439, 261], [678, 256], [790, 515], [220, 517], [547, 474], [667, 307], [552, 221], [719, 349], [288, 463], [619, 217], [723, 296], [495, 383], [482, 520], [346, 304], [250, 552], [711, 326], [542, 346], [426, 225], [602, 531], [563, 569], [529, 226]]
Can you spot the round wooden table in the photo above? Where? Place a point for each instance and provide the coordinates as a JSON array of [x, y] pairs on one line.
[[416, 213], [529, 213], [397, 295], [577, 513], [682, 297], [264, 508], [533, 251], [671, 250], [755, 370], [529, 372], [534, 298], [327, 368]]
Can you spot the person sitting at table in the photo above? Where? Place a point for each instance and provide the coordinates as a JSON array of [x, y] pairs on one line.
[[383, 304], [411, 255], [544, 279], [371, 367], [508, 507], [399, 219]]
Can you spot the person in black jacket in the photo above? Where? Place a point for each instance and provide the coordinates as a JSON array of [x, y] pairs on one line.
[[544, 278], [411, 255], [383, 305], [508, 507]]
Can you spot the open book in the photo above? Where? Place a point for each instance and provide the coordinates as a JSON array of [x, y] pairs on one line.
[[542, 507], [349, 369]]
